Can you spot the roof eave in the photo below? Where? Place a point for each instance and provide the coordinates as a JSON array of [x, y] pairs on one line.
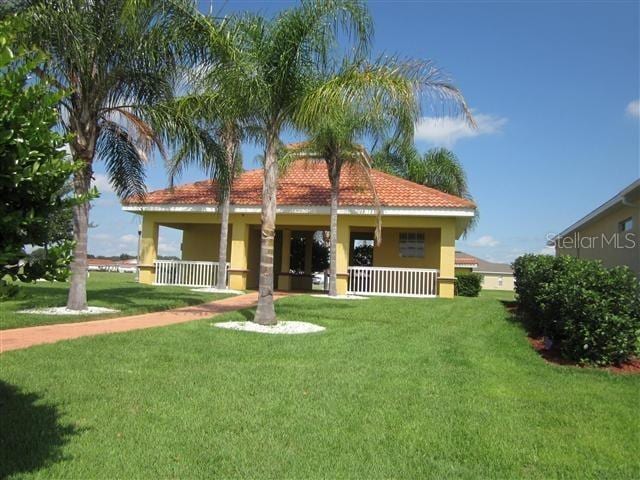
[[307, 210]]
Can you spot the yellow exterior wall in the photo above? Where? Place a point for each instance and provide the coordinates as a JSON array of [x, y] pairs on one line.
[[490, 281], [148, 250], [388, 253], [606, 225], [200, 241], [463, 270]]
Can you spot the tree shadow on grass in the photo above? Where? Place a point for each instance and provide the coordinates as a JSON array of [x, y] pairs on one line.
[[31, 434], [119, 297]]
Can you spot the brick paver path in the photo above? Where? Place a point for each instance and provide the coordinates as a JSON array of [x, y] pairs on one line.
[[18, 338]]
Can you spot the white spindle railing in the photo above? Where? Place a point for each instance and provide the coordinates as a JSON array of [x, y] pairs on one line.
[[186, 273], [393, 282]]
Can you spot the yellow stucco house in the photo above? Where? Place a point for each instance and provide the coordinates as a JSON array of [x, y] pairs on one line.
[[610, 233], [495, 276], [416, 257]]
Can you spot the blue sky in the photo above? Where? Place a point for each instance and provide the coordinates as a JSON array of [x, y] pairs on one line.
[[554, 87]]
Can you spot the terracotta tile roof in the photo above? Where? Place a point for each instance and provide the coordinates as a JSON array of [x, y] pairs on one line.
[[306, 183], [463, 258]]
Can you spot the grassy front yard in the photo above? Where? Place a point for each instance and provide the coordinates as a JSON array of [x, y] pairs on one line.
[[394, 388], [112, 290]]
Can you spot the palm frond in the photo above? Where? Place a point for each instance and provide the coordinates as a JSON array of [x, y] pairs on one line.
[[123, 160]]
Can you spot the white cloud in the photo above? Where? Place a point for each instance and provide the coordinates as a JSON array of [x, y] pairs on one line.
[[448, 130], [547, 250], [101, 182], [128, 239], [485, 241], [168, 249], [100, 236], [633, 109]]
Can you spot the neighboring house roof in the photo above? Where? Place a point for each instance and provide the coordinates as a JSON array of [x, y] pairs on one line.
[[306, 183], [465, 260], [491, 267], [629, 195], [482, 266]]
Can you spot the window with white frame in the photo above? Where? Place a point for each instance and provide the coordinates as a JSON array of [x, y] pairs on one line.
[[625, 225], [412, 244]]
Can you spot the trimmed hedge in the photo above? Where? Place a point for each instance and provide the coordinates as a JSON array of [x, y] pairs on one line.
[[468, 284], [592, 313]]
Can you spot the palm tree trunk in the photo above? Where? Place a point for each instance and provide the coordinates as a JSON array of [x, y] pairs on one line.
[[334, 176], [77, 299], [224, 235], [265, 313]]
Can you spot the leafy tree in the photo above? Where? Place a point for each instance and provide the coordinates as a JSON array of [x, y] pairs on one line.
[[33, 170], [116, 59]]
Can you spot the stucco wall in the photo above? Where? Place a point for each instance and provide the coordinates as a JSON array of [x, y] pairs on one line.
[[491, 281], [201, 230], [606, 225], [201, 242], [388, 253]]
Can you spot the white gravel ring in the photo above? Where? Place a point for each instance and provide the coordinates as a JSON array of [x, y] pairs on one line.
[[280, 328], [340, 297], [67, 311], [217, 290]]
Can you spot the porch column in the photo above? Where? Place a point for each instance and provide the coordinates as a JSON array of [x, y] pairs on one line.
[[238, 257], [342, 255], [308, 253], [284, 279], [447, 258], [148, 250]]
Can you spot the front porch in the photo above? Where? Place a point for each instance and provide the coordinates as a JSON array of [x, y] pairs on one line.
[[416, 257]]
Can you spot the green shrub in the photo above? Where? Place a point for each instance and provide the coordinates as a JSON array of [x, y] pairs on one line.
[[531, 273], [468, 284], [590, 312]]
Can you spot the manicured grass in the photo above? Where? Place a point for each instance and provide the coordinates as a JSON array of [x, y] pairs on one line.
[[394, 388], [504, 295], [112, 290]]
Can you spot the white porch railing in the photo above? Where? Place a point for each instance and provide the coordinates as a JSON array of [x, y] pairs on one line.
[[393, 281], [186, 273]]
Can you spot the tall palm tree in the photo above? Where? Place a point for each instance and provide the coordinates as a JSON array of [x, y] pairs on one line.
[[276, 64], [207, 125], [115, 58], [361, 101]]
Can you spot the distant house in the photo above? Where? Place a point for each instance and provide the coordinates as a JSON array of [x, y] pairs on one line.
[[495, 276], [108, 265], [610, 233]]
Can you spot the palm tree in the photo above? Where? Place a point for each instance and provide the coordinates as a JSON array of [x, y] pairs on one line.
[[277, 63], [438, 168], [207, 125], [366, 100], [115, 60]]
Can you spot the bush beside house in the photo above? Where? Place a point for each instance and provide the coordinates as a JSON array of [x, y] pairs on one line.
[[590, 312], [468, 284]]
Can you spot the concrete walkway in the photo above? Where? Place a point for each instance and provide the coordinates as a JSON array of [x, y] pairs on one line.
[[18, 338]]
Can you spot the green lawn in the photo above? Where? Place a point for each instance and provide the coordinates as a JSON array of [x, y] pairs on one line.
[[112, 290], [394, 388]]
